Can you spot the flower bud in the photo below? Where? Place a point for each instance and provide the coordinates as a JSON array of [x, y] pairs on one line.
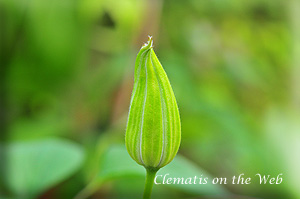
[[153, 131]]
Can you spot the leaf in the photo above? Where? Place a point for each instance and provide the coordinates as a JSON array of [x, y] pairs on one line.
[[181, 167], [116, 163], [35, 166]]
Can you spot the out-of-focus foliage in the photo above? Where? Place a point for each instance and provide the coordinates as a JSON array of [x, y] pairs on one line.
[[110, 169], [67, 71], [36, 165]]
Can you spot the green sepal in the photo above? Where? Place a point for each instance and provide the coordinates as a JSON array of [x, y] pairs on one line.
[[153, 130]]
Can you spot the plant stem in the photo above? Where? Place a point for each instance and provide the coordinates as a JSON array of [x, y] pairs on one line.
[[149, 183]]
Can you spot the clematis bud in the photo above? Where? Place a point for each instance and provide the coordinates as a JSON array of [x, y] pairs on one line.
[[153, 131]]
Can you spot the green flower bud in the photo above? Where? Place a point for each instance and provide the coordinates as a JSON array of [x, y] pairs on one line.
[[153, 131]]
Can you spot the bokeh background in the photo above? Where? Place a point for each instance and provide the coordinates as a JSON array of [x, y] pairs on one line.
[[67, 75]]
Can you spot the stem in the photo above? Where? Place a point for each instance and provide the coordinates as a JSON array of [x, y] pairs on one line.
[[149, 183], [91, 188]]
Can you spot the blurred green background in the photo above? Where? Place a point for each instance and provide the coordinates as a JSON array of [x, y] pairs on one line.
[[67, 76]]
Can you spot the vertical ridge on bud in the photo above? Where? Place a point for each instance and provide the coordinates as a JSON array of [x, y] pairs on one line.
[[153, 130]]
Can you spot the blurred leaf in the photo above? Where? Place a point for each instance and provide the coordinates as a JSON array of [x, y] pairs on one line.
[[35, 166], [181, 167], [116, 163], [282, 135]]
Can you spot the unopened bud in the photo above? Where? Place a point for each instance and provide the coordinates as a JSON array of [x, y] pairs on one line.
[[153, 131]]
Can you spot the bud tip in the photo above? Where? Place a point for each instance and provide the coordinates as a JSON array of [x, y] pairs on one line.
[[149, 43]]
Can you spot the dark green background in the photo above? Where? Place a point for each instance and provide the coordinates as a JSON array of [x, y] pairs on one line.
[[67, 71]]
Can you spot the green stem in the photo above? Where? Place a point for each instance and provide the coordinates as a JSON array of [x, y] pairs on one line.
[[149, 183]]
